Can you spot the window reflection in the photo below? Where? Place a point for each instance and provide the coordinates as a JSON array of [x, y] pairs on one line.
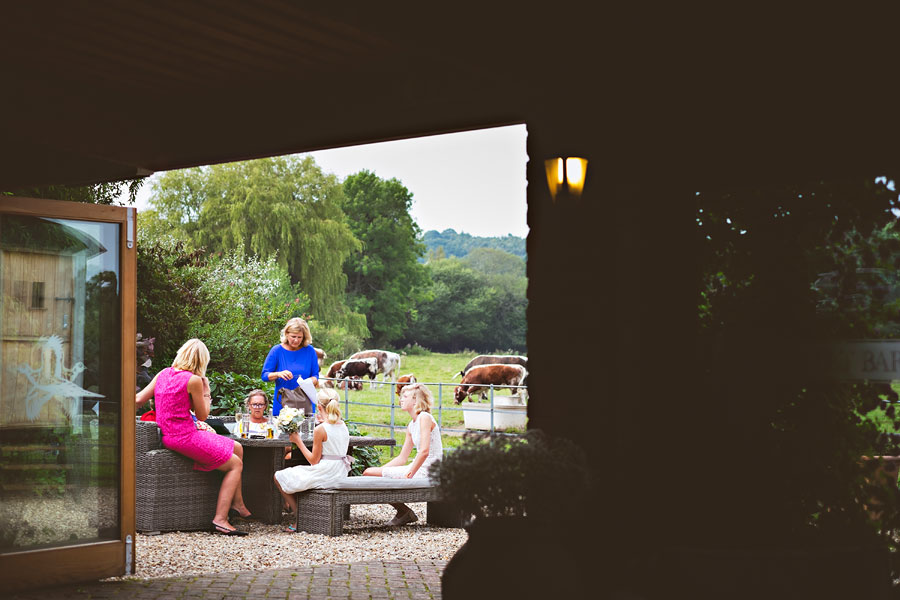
[[60, 378]]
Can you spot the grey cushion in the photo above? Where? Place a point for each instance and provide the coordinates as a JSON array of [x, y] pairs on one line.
[[381, 483]]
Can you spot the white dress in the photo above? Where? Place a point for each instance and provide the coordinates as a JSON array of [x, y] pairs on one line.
[[327, 472], [435, 450]]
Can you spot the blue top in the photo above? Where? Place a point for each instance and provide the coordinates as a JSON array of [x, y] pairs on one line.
[[302, 363]]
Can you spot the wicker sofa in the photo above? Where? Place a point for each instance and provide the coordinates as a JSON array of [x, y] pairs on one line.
[[171, 495], [324, 511]]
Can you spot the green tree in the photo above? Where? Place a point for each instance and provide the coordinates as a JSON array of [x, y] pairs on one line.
[[385, 279], [460, 244], [451, 321], [233, 302], [99, 193], [492, 261], [283, 206], [470, 309]]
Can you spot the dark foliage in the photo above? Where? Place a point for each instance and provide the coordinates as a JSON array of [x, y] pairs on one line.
[[783, 432], [513, 476]]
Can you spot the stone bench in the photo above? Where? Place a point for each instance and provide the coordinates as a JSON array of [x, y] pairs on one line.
[[324, 511]]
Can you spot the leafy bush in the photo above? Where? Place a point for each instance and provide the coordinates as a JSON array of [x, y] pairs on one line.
[[236, 304], [364, 456], [245, 303], [165, 297], [515, 476], [335, 340], [229, 390], [415, 350]]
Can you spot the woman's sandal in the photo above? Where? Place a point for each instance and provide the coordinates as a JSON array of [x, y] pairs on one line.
[[225, 531], [290, 529]]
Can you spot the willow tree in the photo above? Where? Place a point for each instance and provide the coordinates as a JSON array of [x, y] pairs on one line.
[[284, 206]]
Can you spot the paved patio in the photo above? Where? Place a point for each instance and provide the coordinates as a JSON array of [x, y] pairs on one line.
[[407, 579]]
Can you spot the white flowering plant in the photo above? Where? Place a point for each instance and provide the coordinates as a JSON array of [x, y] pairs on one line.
[[289, 420]]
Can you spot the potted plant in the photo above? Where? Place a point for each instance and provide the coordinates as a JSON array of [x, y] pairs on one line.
[[525, 496]]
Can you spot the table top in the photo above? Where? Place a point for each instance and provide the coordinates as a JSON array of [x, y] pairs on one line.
[[283, 440]]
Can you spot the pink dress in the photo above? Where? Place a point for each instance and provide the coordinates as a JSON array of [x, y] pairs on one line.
[[179, 434]]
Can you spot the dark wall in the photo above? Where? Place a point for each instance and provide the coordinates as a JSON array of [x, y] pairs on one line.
[[612, 302]]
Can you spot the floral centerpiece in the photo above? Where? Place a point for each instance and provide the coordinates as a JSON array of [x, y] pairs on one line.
[[289, 420]]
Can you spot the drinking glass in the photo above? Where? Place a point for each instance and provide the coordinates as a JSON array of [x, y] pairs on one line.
[[245, 425], [238, 420]]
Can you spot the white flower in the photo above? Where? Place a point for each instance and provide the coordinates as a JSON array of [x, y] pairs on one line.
[[289, 419]]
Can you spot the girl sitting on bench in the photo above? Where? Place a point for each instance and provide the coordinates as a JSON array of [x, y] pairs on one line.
[[328, 460], [423, 433]]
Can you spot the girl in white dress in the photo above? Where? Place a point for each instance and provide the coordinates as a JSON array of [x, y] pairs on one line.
[[423, 433], [328, 460]]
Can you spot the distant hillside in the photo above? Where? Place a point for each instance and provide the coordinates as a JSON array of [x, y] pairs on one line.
[[459, 244]]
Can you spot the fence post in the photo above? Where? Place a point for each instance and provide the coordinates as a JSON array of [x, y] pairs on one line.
[[392, 418], [440, 406], [347, 403], [492, 409]]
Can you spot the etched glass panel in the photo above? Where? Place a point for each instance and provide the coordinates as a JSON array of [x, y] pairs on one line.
[[60, 382]]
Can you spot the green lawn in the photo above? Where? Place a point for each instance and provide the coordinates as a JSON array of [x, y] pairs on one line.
[[431, 369]]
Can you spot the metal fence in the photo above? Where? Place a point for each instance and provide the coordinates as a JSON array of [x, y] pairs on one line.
[[437, 411]]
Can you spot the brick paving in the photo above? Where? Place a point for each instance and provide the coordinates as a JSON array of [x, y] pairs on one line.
[[379, 580]]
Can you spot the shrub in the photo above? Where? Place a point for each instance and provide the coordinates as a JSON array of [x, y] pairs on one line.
[[165, 297], [415, 349], [245, 303], [515, 476], [364, 456], [229, 390]]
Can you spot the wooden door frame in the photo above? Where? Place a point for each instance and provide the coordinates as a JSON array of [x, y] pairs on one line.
[[88, 562]]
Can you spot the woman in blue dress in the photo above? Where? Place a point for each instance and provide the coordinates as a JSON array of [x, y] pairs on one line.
[[291, 360]]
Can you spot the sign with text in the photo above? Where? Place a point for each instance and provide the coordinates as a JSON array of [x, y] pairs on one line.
[[874, 360]]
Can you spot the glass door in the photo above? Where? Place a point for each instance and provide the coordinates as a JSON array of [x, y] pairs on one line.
[[67, 298]]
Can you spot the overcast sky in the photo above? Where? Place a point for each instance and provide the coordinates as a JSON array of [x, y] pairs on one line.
[[473, 182]]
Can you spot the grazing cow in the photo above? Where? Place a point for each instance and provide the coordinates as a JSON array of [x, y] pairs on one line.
[[495, 359], [352, 383], [404, 381], [321, 355], [388, 362], [358, 367], [332, 372], [480, 378]]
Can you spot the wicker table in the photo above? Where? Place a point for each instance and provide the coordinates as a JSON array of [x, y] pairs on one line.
[[262, 457]]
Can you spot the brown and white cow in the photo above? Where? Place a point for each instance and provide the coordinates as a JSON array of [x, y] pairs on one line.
[[495, 359], [358, 367], [388, 362], [332, 372], [320, 354], [404, 380], [481, 377], [352, 383]]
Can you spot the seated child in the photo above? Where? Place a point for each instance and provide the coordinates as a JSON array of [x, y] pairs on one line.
[[423, 433]]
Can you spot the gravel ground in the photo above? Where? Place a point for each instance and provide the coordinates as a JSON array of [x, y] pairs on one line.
[[268, 547]]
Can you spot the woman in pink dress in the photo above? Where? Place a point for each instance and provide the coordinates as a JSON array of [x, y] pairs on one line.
[[176, 391]]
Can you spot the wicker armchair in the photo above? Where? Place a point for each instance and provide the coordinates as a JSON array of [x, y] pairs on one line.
[[171, 495]]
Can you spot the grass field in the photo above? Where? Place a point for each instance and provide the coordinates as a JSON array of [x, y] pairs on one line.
[[373, 404]]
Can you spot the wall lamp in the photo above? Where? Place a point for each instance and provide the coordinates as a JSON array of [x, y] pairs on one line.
[[565, 176]]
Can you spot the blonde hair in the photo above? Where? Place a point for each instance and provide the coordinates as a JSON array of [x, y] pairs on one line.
[[423, 396], [193, 356], [256, 393], [297, 325], [329, 404]]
